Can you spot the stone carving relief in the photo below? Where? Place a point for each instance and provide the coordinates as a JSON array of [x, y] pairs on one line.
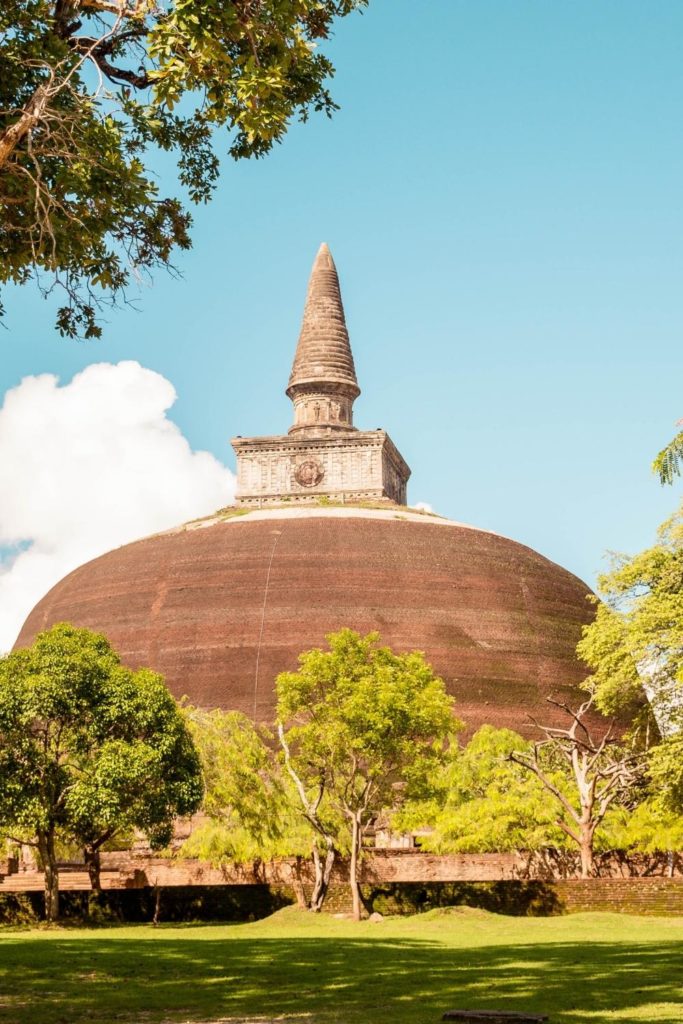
[[309, 473]]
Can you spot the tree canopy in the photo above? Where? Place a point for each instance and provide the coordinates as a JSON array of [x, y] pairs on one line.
[[90, 88], [635, 644], [482, 801], [88, 749], [503, 793], [248, 800], [650, 827], [634, 648]]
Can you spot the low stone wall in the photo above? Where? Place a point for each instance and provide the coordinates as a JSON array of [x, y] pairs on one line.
[[621, 895], [386, 865], [515, 898], [394, 882], [251, 902], [177, 904], [649, 896], [131, 869]]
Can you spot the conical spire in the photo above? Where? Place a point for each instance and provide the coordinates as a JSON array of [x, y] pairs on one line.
[[323, 382], [323, 352]]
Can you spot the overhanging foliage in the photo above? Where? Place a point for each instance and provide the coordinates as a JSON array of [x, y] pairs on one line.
[[88, 90]]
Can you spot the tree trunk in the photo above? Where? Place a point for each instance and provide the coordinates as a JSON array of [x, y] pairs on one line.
[[51, 893], [157, 905], [317, 879], [322, 876], [93, 863], [586, 823], [353, 868], [587, 859], [12, 136], [298, 885], [46, 848]]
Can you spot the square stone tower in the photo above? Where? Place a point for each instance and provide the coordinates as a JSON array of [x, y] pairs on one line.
[[323, 455]]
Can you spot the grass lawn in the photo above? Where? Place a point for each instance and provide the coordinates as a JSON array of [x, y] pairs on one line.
[[319, 970]]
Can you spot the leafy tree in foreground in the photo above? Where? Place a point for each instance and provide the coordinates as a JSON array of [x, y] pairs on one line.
[[650, 828], [88, 749], [666, 772], [634, 648], [604, 774], [142, 772], [249, 803], [243, 792], [362, 730], [635, 644], [90, 88], [483, 801]]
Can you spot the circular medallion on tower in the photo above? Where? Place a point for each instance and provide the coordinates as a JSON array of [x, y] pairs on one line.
[[309, 473]]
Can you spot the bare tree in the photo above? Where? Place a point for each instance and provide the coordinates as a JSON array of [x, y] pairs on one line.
[[603, 772]]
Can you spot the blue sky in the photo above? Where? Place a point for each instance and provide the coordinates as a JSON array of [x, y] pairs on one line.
[[501, 191]]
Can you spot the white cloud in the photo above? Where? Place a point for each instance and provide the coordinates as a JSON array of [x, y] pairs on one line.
[[422, 506], [87, 467]]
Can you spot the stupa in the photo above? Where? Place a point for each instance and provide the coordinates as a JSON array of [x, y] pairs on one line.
[[322, 538]]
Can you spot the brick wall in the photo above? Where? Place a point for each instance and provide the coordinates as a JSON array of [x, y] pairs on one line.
[[622, 895], [649, 896], [394, 882], [652, 896]]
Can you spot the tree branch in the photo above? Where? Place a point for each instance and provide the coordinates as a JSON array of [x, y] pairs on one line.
[[533, 766], [30, 116]]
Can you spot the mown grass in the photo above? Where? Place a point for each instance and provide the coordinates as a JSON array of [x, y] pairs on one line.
[[320, 970]]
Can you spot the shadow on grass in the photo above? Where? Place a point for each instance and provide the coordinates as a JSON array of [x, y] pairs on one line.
[[67, 980]]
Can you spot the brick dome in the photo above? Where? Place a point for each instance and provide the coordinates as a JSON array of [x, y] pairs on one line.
[[221, 606]]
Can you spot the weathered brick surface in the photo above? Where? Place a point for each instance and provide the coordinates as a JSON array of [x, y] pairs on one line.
[[640, 896], [220, 610], [622, 895], [646, 896], [394, 882]]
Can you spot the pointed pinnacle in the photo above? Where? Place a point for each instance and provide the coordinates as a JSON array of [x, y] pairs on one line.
[[323, 352]]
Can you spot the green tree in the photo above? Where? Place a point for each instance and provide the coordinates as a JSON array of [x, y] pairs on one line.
[[666, 771], [242, 788], [142, 771], [249, 802], [246, 793], [634, 648], [361, 729], [635, 644], [485, 802], [88, 90], [650, 828], [88, 749]]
